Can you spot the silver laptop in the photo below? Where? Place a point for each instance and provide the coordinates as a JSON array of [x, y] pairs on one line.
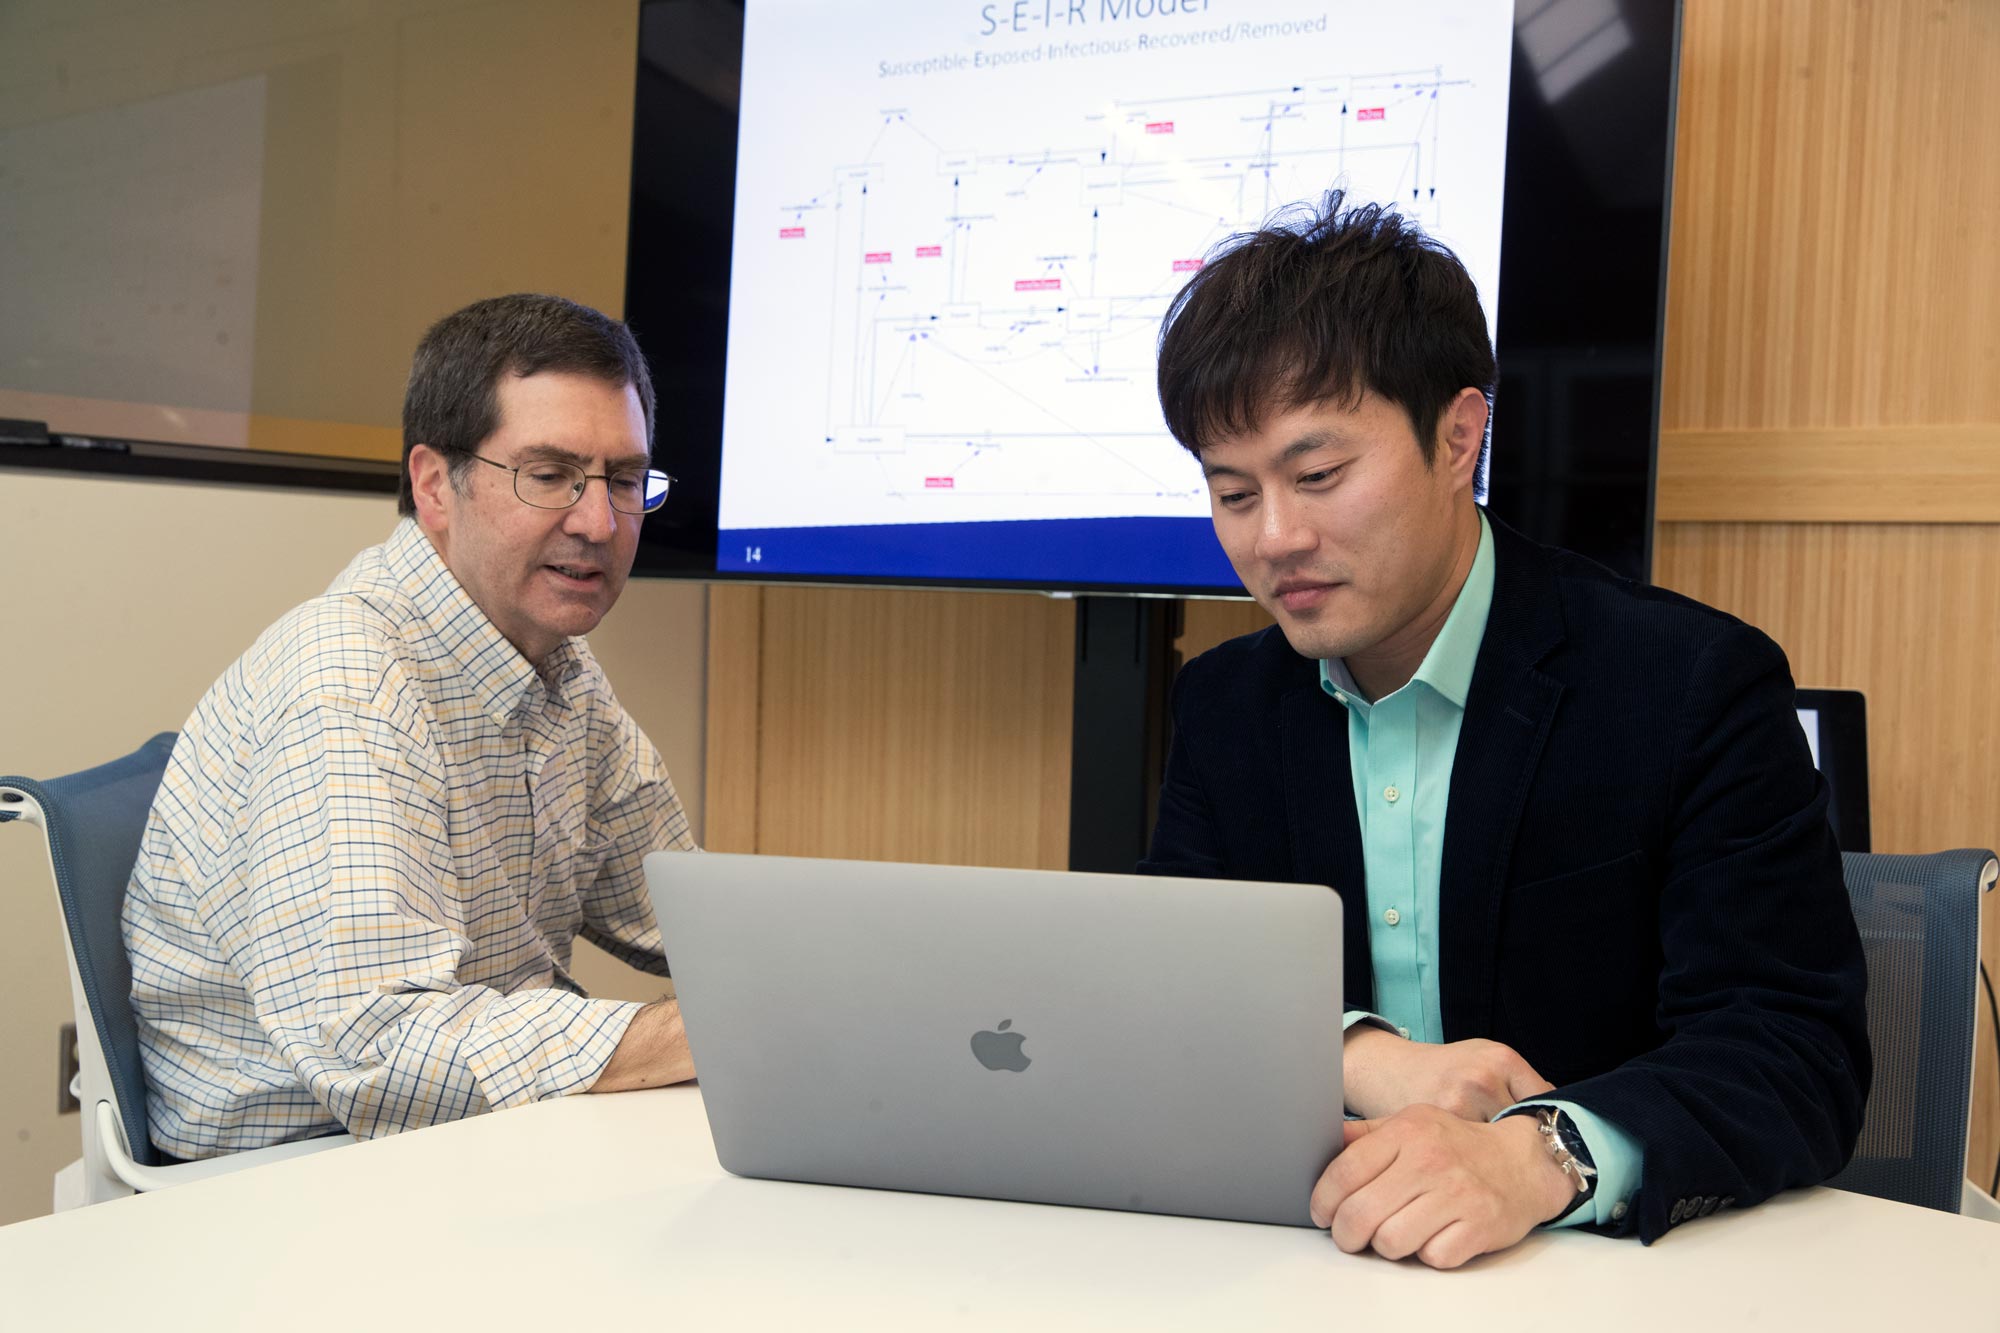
[[1113, 1041]]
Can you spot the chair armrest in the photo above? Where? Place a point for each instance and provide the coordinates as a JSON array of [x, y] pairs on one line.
[[146, 1179]]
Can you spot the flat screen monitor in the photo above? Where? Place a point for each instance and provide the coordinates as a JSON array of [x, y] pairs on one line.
[[1836, 727], [899, 268]]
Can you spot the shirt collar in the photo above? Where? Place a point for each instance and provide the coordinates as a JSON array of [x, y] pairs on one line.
[[456, 631], [1447, 667]]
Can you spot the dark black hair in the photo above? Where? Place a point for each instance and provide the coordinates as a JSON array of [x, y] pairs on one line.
[[1323, 305], [452, 402]]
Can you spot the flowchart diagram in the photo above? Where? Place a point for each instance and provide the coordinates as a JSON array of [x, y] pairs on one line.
[[963, 289]]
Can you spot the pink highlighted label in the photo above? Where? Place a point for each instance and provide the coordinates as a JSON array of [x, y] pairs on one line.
[[1038, 284], [791, 233], [1159, 127], [929, 251], [1186, 265], [937, 483], [1370, 113], [876, 257]]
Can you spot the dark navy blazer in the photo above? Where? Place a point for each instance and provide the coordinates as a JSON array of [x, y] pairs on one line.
[[1639, 890]]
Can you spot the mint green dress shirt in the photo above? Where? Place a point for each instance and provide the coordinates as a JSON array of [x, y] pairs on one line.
[[1400, 749]]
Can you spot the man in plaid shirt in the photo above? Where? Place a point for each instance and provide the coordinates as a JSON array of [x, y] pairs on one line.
[[385, 825]]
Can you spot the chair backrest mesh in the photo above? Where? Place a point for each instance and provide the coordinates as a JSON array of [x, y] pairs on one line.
[[1919, 923]]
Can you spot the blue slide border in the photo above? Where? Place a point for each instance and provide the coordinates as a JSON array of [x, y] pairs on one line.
[[1167, 553]]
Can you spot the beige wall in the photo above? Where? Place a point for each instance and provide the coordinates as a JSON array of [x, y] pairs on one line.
[[418, 154]]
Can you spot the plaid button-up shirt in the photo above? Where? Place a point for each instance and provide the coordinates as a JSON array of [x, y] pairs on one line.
[[378, 837]]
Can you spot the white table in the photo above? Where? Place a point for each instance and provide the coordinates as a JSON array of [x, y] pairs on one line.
[[610, 1212]]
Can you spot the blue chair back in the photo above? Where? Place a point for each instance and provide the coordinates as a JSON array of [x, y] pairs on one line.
[[1919, 922], [94, 821]]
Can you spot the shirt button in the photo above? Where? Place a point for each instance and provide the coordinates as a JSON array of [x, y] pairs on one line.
[[1402, 1032], [1392, 916], [1618, 1212], [1391, 795], [1338, 697]]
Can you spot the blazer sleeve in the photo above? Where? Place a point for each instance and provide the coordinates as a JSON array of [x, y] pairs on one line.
[[1186, 841], [1761, 1081]]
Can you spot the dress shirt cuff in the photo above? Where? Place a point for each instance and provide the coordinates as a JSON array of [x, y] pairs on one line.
[[1618, 1157], [1353, 1016], [599, 1026]]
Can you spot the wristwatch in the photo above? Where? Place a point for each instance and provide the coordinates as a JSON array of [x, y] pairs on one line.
[[1565, 1145]]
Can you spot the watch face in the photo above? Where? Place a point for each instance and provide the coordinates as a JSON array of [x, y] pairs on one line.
[[1572, 1142], [1565, 1145]]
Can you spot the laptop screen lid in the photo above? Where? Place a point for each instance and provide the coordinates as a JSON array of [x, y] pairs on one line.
[[1111, 1041]]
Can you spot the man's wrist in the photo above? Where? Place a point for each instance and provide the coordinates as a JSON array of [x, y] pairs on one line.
[[1363, 1051], [652, 1053]]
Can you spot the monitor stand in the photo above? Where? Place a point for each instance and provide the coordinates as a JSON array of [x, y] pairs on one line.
[[1125, 665]]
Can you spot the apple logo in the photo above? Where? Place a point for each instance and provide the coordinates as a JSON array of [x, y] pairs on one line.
[[1000, 1050]]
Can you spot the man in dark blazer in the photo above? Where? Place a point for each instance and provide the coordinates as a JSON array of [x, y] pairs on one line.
[[1600, 965]]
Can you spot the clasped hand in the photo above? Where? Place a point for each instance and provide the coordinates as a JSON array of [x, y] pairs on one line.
[[1427, 1174], [1424, 1182]]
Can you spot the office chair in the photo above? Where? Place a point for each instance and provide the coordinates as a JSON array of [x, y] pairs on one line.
[[1919, 920], [92, 822]]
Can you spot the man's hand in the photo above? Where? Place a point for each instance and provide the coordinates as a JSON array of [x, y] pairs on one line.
[[652, 1053], [1382, 1074], [1424, 1182]]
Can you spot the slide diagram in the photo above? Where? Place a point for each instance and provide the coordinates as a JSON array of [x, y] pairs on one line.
[[947, 289]]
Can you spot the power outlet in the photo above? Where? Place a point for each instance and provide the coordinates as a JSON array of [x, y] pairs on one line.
[[66, 1071]]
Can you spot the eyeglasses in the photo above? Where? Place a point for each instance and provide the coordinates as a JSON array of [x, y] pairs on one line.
[[548, 484]]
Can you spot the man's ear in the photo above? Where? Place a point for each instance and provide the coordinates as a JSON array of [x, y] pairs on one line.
[[431, 488], [1461, 433]]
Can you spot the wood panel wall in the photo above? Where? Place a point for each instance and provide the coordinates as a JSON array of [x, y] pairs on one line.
[[1829, 470], [1830, 432], [902, 726]]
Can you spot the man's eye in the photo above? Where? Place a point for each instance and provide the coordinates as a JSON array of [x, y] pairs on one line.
[[542, 476], [628, 483], [1323, 475], [1233, 498]]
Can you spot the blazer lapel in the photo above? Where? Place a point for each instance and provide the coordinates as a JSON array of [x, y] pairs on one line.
[[1508, 711], [1325, 829]]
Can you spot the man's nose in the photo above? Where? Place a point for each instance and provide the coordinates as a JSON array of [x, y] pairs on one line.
[[1282, 531], [592, 516]]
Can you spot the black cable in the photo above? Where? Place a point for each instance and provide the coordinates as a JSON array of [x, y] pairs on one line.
[[1994, 1009]]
